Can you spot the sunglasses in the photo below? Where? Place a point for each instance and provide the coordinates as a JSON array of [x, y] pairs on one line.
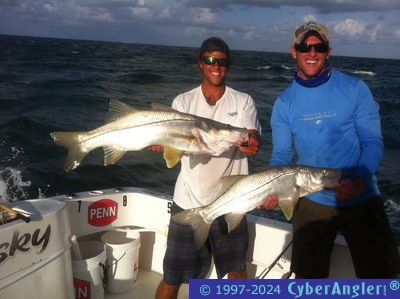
[[209, 60], [305, 48]]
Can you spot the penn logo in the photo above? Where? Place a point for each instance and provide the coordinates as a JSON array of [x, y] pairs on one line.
[[82, 289], [102, 212]]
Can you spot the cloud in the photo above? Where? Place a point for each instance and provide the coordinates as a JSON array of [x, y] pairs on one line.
[[356, 29], [99, 14], [325, 6], [50, 7], [349, 27], [142, 12], [250, 32], [256, 24], [197, 11], [308, 18], [199, 16]]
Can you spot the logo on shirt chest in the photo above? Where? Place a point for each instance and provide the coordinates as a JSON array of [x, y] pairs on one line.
[[317, 117]]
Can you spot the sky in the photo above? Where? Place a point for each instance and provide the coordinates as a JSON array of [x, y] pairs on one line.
[[360, 28]]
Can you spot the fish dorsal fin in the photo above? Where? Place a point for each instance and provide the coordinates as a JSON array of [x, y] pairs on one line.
[[161, 107], [227, 181], [172, 156], [118, 109], [233, 220], [112, 155]]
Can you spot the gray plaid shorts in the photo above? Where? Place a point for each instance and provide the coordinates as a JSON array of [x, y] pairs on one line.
[[182, 261]]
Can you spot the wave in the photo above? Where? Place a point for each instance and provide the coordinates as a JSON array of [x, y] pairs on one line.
[[392, 207], [52, 84], [368, 73], [287, 67], [276, 67], [12, 185], [267, 67]]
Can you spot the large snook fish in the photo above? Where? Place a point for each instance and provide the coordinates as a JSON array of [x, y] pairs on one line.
[[246, 192], [131, 129]]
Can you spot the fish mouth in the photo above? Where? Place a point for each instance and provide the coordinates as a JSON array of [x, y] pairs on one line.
[[240, 135], [334, 178], [245, 137]]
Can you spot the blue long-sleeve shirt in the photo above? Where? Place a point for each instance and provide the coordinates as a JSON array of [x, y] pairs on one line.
[[335, 124]]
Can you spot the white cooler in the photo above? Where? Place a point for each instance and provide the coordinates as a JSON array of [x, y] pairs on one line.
[[35, 259]]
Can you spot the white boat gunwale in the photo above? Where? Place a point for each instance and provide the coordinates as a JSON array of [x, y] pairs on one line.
[[147, 210]]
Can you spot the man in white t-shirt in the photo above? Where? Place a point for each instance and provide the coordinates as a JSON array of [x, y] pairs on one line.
[[197, 183]]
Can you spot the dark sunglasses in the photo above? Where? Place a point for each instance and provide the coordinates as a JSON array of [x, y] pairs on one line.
[[305, 48], [209, 60]]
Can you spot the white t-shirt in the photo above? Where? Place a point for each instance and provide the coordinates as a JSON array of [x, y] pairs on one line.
[[197, 183]]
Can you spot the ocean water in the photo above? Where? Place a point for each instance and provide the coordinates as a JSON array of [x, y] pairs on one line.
[[56, 84]]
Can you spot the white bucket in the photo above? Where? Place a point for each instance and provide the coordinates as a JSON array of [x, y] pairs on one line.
[[88, 271], [122, 247]]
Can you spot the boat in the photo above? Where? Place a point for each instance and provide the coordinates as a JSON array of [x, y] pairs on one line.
[[42, 240]]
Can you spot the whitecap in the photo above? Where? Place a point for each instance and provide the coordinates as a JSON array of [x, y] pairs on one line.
[[264, 67], [391, 207], [287, 67], [368, 73], [12, 185]]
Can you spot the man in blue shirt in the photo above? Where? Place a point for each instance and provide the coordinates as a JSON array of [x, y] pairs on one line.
[[326, 118]]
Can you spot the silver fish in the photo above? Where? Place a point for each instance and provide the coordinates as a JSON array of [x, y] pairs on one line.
[[244, 193], [131, 129]]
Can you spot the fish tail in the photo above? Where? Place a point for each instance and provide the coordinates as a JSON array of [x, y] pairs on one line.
[[70, 140], [199, 225]]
